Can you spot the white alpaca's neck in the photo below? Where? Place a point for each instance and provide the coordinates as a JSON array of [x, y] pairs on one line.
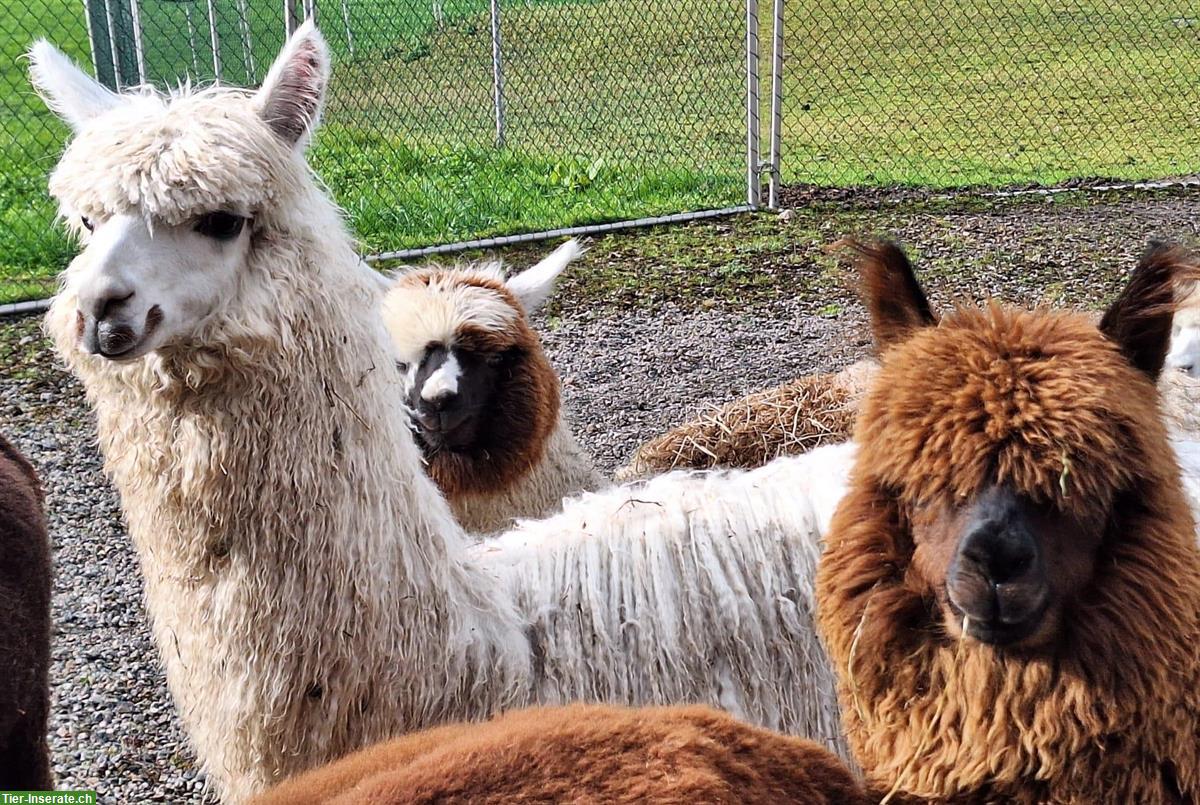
[[308, 586]]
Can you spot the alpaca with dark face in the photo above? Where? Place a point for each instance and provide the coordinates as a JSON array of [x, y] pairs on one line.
[[483, 396], [24, 627], [1010, 591]]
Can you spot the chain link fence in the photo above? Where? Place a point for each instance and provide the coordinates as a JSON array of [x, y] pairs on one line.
[[453, 120], [961, 93], [446, 120]]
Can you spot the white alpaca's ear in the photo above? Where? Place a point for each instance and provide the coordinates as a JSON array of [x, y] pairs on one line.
[[533, 286], [292, 93], [70, 93]]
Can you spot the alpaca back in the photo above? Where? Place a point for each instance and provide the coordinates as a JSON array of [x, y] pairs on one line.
[[584, 753], [24, 628], [691, 587]]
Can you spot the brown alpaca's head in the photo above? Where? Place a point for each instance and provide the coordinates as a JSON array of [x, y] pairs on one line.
[[1002, 547], [483, 396], [1008, 437]]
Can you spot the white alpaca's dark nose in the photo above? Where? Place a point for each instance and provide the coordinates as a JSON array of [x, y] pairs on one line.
[[106, 301]]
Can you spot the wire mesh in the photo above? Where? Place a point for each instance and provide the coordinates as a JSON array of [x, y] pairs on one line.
[[446, 119], [453, 120], [960, 93]]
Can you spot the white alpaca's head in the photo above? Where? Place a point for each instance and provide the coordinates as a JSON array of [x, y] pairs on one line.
[[172, 195], [1184, 354], [483, 395]]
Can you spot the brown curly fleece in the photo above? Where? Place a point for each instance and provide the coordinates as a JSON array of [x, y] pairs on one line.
[[583, 754], [1066, 414], [24, 626]]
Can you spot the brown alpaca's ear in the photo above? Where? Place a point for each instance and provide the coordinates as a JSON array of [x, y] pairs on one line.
[[891, 293], [1139, 320]]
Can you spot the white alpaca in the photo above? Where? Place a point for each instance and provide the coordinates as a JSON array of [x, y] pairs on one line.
[[484, 398], [309, 589], [1184, 353]]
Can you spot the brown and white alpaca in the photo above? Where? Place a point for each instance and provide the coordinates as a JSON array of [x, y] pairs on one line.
[[583, 753], [24, 627], [482, 393], [309, 589], [1010, 590]]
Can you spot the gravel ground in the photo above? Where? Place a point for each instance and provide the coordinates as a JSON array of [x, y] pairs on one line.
[[629, 372]]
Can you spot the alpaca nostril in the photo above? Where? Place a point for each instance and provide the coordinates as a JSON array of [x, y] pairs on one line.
[[107, 306], [999, 542], [441, 402], [1001, 556]]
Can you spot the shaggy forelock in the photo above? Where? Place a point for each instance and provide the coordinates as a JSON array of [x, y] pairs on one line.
[[170, 158], [1039, 401], [435, 305]]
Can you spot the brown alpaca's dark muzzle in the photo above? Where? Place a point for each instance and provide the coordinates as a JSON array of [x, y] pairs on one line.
[[997, 579]]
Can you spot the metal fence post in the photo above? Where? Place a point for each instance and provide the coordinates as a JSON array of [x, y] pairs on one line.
[[140, 54], [497, 74], [349, 33], [292, 17], [753, 185], [247, 43], [216, 41], [101, 38], [117, 84], [776, 105]]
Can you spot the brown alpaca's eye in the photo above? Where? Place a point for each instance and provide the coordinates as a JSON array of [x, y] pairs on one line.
[[87, 223], [220, 225]]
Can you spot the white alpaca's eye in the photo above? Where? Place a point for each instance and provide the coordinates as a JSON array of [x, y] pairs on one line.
[[220, 225], [87, 223]]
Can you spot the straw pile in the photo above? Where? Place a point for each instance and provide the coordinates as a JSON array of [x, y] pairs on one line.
[[786, 420]]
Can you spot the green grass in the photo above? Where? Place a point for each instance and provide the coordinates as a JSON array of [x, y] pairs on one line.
[[942, 94], [620, 108]]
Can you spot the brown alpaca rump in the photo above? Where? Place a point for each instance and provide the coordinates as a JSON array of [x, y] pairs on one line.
[[25, 628], [521, 414], [1108, 708], [786, 420], [583, 753]]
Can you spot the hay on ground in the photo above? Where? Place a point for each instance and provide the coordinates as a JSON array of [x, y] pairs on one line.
[[786, 420]]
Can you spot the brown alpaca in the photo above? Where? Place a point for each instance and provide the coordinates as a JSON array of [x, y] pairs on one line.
[[1010, 592], [583, 754], [24, 627]]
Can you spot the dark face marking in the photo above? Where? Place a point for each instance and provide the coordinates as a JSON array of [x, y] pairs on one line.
[[451, 396], [1003, 563]]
